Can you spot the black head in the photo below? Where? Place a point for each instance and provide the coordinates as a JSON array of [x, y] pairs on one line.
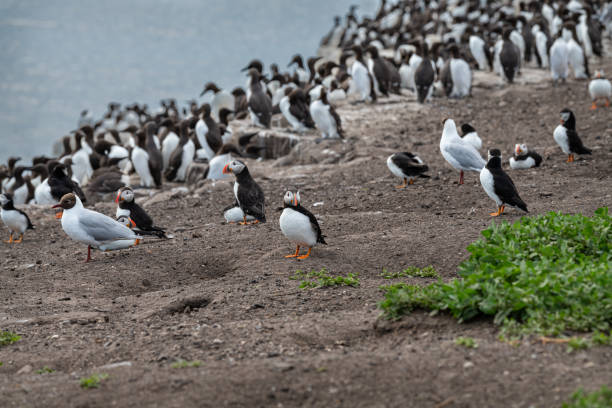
[[205, 110], [495, 158], [254, 64], [467, 128], [238, 92], [210, 86], [568, 119]]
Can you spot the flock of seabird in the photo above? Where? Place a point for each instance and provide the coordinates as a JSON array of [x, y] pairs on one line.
[[429, 49]]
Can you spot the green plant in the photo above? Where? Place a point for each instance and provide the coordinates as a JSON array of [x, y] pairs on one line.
[[411, 272], [8, 337], [314, 279], [577, 343], [186, 364], [45, 370], [467, 342], [1, 363], [600, 338], [93, 381], [601, 398], [546, 274]]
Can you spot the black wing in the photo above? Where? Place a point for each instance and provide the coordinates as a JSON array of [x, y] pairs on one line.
[[506, 190], [313, 222], [336, 117], [575, 144], [261, 106], [408, 165], [252, 200], [302, 114], [380, 72], [174, 163], [30, 226], [536, 157]]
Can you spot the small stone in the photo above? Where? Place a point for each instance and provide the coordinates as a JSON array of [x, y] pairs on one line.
[[468, 364], [26, 369]]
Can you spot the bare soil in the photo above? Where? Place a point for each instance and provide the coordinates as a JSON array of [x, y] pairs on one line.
[[222, 294]]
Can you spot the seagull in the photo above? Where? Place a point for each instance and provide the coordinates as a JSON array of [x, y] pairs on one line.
[[92, 228], [459, 153]]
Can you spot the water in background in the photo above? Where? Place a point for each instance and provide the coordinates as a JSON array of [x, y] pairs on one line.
[[60, 57]]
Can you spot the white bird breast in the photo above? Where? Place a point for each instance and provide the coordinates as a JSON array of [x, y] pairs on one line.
[[560, 136], [297, 228], [14, 220], [528, 163], [486, 180], [600, 88]]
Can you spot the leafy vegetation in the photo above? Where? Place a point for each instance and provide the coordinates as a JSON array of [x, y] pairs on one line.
[[186, 364], [45, 370], [8, 337], [93, 381], [466, 342], [321, 279], [547, 274], [411, 272], [601, 398]]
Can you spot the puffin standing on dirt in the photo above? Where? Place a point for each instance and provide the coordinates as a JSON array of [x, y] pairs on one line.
[[326, 118], [406, 166], [498, 185], [600, 88], [129, 208], [92, 228], [459, 153], [15, 220], [566, 137], [299, 225], [249, 196], [260, 105], [524, 158]]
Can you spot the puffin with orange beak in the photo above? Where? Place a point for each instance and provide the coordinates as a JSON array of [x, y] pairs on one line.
[[142, 221], [524, 158], [249, 196], [299, 225]]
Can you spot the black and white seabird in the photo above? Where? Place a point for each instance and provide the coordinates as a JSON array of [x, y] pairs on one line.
[[182, 156], [221, 99], [241, 105], [524, 158], [509, 57], [456, 75], [498, 185], [294, 107], [140, 161], [362, 82], [249, 196], [129, 208], [302, 75], [459, 153], [60, 183], [406, 166], [424, 76], [170, 141], [299, 225], [15, 220], [600, 88], [575, 53], [326, 118], [208, 134], [379, 70], [559, 64], [156, 161], [260, 105], [567, 138]]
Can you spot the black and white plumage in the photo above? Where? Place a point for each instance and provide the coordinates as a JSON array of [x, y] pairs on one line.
[[294, 107], [249, 196], [156, 162], [509, 57], [459, 153], [15, 220], [129, 208], [208, 134], [326, 118], [299, 225], [406, 166], [424, 76], [260, 105], [600, 88], [471, 136], [567, 138], [524, 158], [61, 184], [182, 156], [498, 185]]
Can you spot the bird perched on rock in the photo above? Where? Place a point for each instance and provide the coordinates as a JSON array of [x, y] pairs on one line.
[[260, 105], [249, 196], [299, 225], [498, 185], [600, 88], [15, 220], [524, 158], [129, 208], [92, 228], [294, 107], [459, 153], [566, 137], [326, 118], [406, 166]]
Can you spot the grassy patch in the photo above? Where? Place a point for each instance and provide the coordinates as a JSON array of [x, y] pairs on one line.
[[8, 337], [601, 398], [321, 279], [186, 364], [93, 381], [45, 370], [412, 272], [466, 342], [547, 275]]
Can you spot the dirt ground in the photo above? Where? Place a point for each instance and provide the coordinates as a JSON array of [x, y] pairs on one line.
[[222, 294]]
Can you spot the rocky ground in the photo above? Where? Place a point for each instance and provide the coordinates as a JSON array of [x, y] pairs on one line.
[[223, 294]]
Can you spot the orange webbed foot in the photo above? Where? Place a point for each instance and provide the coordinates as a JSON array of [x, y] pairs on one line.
[[305, 256]]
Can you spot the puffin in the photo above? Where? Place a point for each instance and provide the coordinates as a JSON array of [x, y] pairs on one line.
[[15, 220], [566, 137], [260, 105], [498, 185], [92, 228], [470, 136], [362, 82], [221, 99], [459, 153], [600, 88], [129, 208], [299, 225], [524, 158], [249, 196], [406, 166], [182, 156], [208, 134], [509, 57], [326, 118], [559, 64], [424, 76], [294, 107]]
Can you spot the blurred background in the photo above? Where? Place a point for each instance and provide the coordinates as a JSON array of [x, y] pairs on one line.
[[60, 57]]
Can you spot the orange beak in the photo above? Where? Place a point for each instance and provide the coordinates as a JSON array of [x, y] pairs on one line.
[[561, 121], [118, 198], [133, 223], [518, 150], [226, 169], [295, 201]]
